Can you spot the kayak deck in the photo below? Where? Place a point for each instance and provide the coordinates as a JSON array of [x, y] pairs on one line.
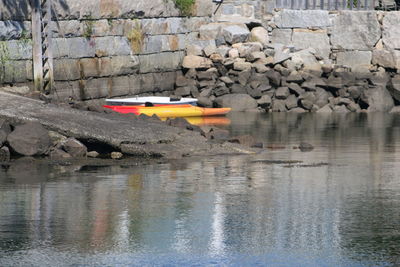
[[170, 111]]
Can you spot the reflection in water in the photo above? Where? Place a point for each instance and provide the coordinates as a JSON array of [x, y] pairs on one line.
[[222, 210]]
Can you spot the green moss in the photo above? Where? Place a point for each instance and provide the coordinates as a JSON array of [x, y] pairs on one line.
[[88, 28], [4, 59], [185, 6], [136, 37]]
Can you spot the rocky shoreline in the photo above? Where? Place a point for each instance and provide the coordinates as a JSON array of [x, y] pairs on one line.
[[33, 128], [252, 76]]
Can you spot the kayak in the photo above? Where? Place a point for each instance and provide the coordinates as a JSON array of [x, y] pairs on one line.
[[154, 100], [211, 120], [170, 111]]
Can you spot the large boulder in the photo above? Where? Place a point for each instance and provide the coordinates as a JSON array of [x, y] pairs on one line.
[[30, 139], [391, 30], [378, 99], [309, 61], [362, 30], [238, 102], [235, 34]]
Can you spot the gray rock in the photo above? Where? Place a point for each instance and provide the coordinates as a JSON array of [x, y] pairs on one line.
[[378, 99], [210, 31], [209, 50], [165, 62], [362, 30], [296, 89], [238, 89], [325, 109], [340, 109], [353, 107], [294, 77], [307, 58], [30, 139], [183, 91], [354, 92], [278, 105], [297, 110], [322, 97], [194, 50], [282, 93], [274, 77], [203, 101], [281, 54], [244, 77], [302, 18], [221, 90], [304, 147], [235, 34], [391, 31], [238, 65], [58, 154], [291, 102], [265, 102], [228, 81], [74, 147], [254, 92], [307, 100], [81, 47], [238, 102]]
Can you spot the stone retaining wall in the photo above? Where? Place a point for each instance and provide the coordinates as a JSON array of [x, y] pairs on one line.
[[103, 48]]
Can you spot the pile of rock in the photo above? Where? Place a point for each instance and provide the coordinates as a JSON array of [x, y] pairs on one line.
[[259, 76]]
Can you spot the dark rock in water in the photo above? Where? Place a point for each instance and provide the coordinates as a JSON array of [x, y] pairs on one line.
[[340, 109], [246, 140], [304, 147], [4, 154], [74, 147], [297, 110], [30, 139], [217, 134], [57, 153], [182, 123]]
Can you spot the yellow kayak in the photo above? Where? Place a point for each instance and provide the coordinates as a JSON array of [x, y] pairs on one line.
[[170, 111]]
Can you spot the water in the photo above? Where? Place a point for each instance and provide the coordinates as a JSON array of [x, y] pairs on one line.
[[339, 206]]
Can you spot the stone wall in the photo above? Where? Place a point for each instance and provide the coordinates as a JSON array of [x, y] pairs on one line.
[[103, 48]]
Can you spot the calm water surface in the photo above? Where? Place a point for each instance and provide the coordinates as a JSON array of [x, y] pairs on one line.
[[339, 206]]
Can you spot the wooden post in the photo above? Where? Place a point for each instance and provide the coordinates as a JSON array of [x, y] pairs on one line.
[[47, 48], [37, 45]]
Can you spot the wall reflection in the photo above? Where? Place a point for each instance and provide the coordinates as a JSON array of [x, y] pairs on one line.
[[346, 207]]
